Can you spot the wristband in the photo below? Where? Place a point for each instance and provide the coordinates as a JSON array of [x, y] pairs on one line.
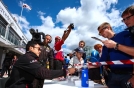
[[116, 47]]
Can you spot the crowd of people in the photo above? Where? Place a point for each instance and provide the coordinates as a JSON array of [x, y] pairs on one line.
[[43, 62]]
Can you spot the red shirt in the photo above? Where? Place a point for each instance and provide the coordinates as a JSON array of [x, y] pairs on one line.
[[58, 53], [58, 45]]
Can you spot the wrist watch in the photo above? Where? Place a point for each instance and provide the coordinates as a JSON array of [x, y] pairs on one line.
[[116, 47]]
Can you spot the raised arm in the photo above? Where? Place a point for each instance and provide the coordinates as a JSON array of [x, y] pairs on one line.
[[67, 32]]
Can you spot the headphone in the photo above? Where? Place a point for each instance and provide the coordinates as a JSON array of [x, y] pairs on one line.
[[50, 39]]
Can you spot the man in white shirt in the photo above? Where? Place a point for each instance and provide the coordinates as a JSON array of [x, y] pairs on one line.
[[77, 60]]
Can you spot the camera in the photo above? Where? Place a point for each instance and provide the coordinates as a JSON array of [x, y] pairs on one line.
[[72, 25], [36, 36]]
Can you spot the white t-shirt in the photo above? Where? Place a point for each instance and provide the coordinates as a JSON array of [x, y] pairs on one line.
[[74, 60]]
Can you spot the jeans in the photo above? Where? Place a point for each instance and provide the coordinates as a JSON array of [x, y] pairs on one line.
[[118, 80]]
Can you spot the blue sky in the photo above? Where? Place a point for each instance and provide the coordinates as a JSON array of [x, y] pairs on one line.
[[53, 17], [49, 7]]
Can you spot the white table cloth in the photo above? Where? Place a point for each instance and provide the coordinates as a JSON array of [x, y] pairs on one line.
[[69, 84]]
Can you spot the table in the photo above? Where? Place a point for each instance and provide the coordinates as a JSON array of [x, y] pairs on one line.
[[68, 84]]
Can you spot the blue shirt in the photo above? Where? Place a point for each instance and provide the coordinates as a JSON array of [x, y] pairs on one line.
[[94, 56], [66, 60], [123, 38]]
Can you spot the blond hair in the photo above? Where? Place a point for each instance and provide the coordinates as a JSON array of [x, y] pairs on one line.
[[105, 24]]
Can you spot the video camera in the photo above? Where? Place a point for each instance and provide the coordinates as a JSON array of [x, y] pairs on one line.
[[36, 36]]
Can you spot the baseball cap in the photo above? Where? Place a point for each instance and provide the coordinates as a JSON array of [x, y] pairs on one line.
[[79, 50]]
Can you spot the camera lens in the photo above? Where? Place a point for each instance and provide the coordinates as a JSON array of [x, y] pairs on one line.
[[72, 25]]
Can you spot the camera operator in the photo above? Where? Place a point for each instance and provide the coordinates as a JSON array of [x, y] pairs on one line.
[[46, 59], [27, 68], [119, 46], [59, 58], [47, 54]]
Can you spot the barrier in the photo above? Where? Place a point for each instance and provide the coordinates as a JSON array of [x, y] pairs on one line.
[[116, 62]]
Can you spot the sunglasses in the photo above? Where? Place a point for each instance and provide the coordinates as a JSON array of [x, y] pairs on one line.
[[127, 18]]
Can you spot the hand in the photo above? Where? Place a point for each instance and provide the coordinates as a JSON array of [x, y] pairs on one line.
[[78, 69], [109, 43], [71, 70], [131, 80]]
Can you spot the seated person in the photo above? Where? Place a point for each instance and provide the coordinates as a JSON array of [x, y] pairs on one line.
[[76, 60]]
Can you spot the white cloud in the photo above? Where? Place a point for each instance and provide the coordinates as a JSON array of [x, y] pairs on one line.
[[41, 13], [86, 19]]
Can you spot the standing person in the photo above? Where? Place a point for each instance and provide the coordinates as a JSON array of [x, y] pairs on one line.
[[58, 52], [47, 54], [119, 46], [46, 59], [94, 71], [128, 19], [82, 45], [27, 68], [6, 64], [13, 61], [98, 47]]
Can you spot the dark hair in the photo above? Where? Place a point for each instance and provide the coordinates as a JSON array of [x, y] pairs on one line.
[[30, 43], [50, 36], [82, 42], [128, 10]]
